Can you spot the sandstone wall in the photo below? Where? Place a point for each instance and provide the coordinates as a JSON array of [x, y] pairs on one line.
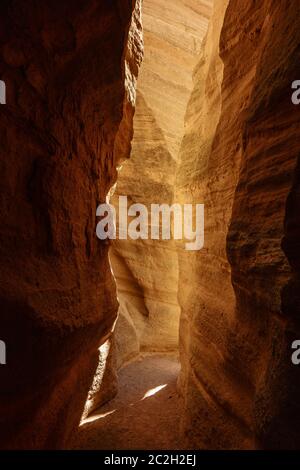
[[70, 70], [147, 271], [240, 303]]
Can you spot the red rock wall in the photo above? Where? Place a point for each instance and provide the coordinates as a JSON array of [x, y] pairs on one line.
[[239, 385], [70, 70]]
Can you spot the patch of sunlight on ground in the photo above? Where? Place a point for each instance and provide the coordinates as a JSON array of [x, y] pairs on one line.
[[95, 417], [153, 391]]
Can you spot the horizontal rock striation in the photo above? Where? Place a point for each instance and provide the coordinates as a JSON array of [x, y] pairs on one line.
[[147, 270], [239, 156]]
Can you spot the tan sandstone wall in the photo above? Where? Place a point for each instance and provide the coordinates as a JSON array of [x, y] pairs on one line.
[[240, 298], [147, 271], [70, 69]]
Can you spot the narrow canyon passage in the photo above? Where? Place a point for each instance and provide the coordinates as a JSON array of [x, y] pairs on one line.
[[188, 148], [146, 270], [142, 343], [146, 412]]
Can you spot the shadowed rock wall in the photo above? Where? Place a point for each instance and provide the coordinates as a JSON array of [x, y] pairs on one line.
[[239, 155], [70, 69]]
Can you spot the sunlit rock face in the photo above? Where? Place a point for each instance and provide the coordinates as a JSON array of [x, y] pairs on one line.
[[70, 69], [240, 301], [105, 382], [147, 271]]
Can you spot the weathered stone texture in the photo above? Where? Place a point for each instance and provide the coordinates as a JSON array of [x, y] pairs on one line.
[[240, 311], [70, 69]]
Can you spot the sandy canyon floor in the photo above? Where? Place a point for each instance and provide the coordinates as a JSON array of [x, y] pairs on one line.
[[145, 414]]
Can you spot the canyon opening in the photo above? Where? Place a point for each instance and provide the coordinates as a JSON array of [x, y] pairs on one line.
[[183, 333]]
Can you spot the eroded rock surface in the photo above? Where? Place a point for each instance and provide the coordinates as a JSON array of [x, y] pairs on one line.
[[70, 70], [147, 270], [240, 304]]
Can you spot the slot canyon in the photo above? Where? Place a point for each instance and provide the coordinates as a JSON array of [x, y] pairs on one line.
[[143, 344]]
